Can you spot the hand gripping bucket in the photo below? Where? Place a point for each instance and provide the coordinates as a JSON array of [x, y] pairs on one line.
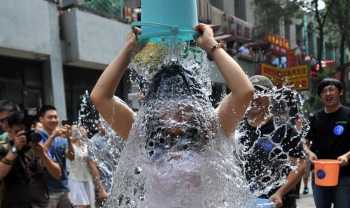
[[264, 203], [326, 172], [167, 18]]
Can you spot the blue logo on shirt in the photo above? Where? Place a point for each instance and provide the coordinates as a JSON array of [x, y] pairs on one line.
[[338, 130], [265, 144]]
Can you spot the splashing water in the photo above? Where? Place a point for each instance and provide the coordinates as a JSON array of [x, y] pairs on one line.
[[266, 152], [154, 56], [177, 156], [104, 145]]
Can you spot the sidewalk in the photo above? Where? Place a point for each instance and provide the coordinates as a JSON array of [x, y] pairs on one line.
[[306, 201]]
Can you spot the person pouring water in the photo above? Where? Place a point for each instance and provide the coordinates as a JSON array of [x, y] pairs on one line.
[[230, 111], [177, 124]]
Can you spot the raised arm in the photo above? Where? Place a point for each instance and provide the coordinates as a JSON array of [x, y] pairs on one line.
[[234, 105], [114, 111], [294, 177]]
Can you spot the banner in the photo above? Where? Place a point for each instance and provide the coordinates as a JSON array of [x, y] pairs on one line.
[[296, 77]]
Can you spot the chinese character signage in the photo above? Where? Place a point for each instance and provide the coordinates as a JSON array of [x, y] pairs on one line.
[[297, 77]]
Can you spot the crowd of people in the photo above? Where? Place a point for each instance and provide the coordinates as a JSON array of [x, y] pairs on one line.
[[46, 163]]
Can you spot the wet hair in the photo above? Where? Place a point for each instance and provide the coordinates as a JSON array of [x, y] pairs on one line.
[[8, 106], [327, 82], [42, 111], [174, 81]]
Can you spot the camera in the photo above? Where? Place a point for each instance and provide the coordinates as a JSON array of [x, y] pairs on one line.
[[32, 136], [30, 133]]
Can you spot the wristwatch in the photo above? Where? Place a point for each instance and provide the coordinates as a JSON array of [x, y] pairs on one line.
[[13, 150]]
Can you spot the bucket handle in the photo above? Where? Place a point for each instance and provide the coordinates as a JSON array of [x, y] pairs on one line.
[[170, 30]]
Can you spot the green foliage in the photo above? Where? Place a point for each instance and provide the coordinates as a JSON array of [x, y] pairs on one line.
[[312, 104], [269, 13], [106, 7], [340, 19], [324, 73]]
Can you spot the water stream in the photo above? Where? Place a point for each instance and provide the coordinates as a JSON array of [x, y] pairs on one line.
[[177, 155]]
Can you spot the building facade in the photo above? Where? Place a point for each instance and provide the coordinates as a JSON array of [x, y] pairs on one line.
[[51, 56]]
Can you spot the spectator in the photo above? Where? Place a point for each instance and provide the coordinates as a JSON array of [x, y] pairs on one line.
[[23, 166], [6, 109], [57, 141], [38, 126], [82, 190], [328, 138], [243, 50], [104, 152], [262, 144]]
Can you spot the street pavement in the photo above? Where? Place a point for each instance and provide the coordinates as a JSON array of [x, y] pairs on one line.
[[307, 200]]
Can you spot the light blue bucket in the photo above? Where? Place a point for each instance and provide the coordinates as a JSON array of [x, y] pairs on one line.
[[167, 18], [264, 203]]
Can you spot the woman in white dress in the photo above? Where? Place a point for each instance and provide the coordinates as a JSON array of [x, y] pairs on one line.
[[179, 148], [80, 180]]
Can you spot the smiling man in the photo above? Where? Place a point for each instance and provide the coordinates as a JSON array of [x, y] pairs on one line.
[[329, 138]]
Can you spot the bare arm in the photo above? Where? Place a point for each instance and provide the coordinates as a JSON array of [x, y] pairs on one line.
[[344, 159], [294, 176], [52, 167], [293, 179], [101, 192], [310, 154], [114, 111], [7, 162], [234, 105], [4, 167], [49, 141], [70, 151]]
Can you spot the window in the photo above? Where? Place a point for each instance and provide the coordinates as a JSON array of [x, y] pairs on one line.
[[240, 9], [21, 82]]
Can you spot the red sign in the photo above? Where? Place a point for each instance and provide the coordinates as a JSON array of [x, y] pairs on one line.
[[296, 77], [292, 58]]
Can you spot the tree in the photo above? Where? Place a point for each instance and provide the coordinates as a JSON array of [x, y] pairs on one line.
[[269, 13], [321, 16], [340, 17], [108, 8]]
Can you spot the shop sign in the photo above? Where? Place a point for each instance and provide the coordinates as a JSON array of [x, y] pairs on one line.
[[297, 77]]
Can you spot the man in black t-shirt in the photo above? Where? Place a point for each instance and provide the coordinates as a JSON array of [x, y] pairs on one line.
[[329, 138], [268, 148]]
